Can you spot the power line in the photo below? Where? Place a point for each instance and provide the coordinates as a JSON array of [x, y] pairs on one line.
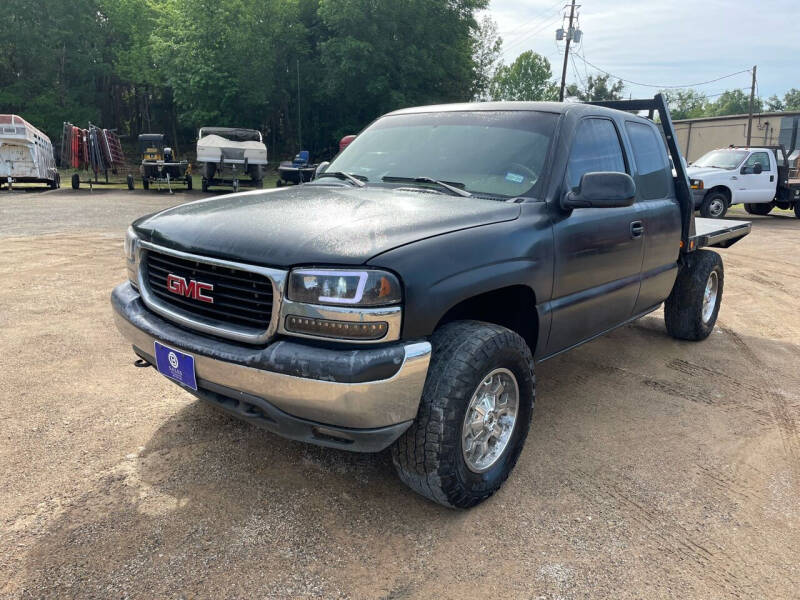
[[536, 17], [525, 38], [663, 87]]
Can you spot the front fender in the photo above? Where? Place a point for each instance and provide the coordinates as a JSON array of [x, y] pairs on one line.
[[442, 271]]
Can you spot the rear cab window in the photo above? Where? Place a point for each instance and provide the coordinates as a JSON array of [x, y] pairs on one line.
[[653, 171]]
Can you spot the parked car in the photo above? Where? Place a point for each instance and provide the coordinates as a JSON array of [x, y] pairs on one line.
[[756, 177], [402, 298]]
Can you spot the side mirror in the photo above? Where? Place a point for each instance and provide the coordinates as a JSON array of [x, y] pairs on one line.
[[757, 169], [602, 190], [321, 168]]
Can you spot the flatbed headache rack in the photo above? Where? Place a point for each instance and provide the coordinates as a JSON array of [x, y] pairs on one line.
[[695, 233]]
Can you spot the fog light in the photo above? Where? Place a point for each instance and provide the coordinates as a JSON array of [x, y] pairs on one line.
[[348, 330]]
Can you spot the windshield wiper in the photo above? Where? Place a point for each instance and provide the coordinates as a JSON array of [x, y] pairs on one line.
[[356, 180], [449, 186]]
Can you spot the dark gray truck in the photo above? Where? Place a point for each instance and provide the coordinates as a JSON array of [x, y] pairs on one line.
[[403, 297]]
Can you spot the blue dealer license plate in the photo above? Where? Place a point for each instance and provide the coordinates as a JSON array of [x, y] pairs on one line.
[[175, 365]]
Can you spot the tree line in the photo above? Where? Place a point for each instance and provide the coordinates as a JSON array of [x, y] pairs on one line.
[[304, 72], [530, 77]]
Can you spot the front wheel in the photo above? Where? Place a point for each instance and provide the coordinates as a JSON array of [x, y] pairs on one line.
[[189, 183], [714, 205], [76, 181], [691, 310], [474, 415], [129, 181], [797, 209]]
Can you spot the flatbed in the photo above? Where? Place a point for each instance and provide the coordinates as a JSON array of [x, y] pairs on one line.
[[718, 233]]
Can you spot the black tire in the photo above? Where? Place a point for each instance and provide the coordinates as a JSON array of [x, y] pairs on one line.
[[714, 205], [761, 209], [129, 181], [797, 209], [279, 183], [258, 183], [428, 457], [189, 182], [145, 183], [76, 181], [684, 309], [204, 186]]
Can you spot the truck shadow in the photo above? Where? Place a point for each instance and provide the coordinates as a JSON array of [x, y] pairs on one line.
[[209, 498]]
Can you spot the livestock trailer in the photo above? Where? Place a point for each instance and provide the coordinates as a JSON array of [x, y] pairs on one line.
[[26, 154]]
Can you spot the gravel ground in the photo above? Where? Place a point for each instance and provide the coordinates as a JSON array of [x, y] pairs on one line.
[[654, 468]]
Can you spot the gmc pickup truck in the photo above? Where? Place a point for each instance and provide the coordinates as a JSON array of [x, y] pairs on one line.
[[759, 178], [403, 297]]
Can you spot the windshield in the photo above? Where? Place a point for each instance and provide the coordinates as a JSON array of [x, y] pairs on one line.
[[721, 159], [496, 153]]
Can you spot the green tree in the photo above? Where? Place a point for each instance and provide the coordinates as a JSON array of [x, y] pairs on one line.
[[487, 46], [734, 102], [597, 89], [528, 78], [686, 104], [380, 55]]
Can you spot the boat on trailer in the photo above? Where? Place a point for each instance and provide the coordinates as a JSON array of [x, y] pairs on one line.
[[26, 154]]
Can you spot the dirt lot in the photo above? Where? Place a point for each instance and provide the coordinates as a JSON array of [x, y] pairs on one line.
[[654, 469]]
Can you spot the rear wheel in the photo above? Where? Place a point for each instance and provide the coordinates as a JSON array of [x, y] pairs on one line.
[[691, 310], [714, 205], [189, 182], [76, 181], [762, 209], [145, 183], [797, 209], [473, 418], [129, 181]]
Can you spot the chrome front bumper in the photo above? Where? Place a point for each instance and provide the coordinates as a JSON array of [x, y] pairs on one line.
[[343, 393]]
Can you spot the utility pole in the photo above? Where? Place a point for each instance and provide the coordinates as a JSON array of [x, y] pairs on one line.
[[566, 52], [752, 101]]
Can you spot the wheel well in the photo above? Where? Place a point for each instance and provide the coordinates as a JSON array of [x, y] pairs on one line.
[[513, 307], [723, 190]]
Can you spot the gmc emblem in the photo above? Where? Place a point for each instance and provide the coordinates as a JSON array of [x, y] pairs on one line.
[[191, 289]]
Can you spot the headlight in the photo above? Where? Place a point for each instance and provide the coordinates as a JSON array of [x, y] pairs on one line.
[[130, 244], [130, 256], [697, 184], [344, 287]]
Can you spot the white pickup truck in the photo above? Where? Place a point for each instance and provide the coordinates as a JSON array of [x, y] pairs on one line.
[[756, 177]]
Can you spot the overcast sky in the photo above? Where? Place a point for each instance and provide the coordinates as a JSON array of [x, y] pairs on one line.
[[664, 43]]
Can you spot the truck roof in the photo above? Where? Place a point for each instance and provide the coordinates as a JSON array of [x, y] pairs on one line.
[[551, 107]]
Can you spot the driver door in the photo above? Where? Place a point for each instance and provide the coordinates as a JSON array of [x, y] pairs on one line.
[[598, 251], [757, 187]]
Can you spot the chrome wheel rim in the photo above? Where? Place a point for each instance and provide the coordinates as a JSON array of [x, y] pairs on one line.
[[710, 296], [715, 209], [490, 419]]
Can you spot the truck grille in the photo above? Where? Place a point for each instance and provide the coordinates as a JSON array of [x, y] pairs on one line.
[[240, 298]]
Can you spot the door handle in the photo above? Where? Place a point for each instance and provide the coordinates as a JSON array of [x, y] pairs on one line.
[[637, 229]]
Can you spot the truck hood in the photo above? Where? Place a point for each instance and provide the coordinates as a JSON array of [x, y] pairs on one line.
[[709, 173], [311, 224]]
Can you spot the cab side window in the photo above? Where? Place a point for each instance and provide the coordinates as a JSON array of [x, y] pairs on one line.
[[761, 158], [651, 161], [596, 147]]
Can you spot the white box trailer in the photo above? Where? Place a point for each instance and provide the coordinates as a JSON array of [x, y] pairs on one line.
[[26, 154]]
